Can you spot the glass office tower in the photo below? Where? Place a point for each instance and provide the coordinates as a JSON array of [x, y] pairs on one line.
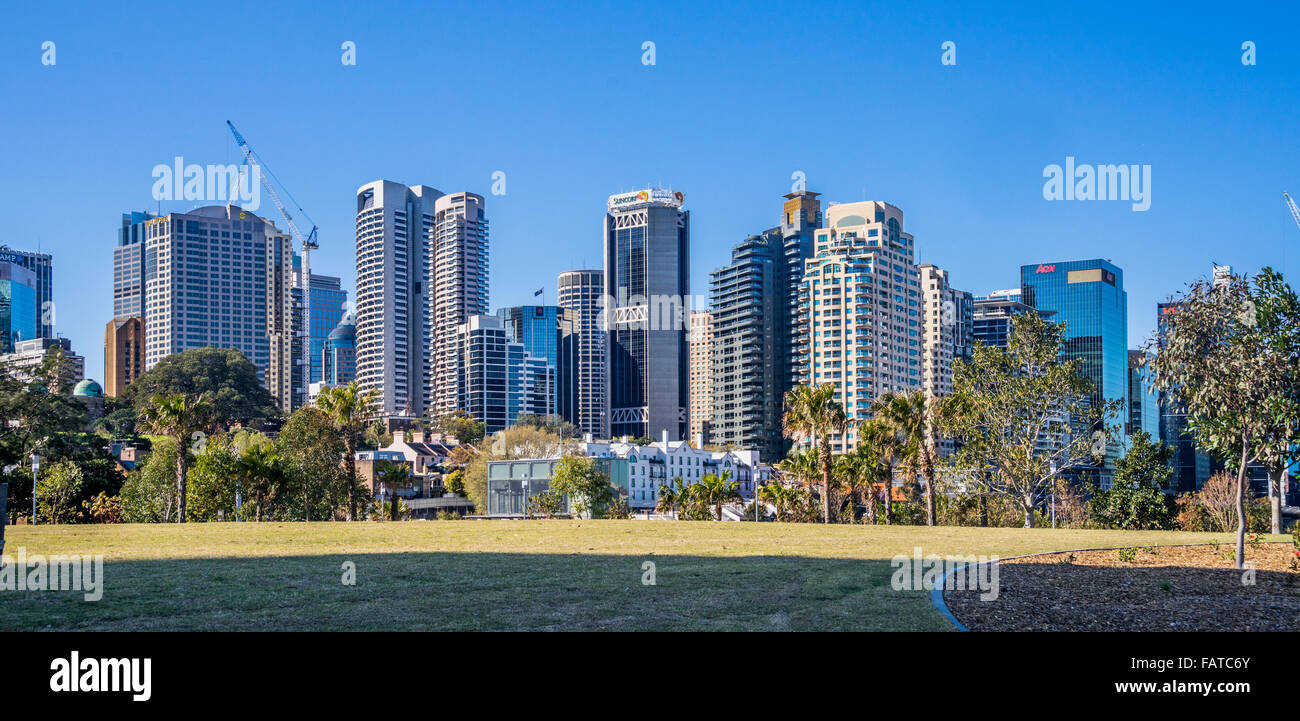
[[1088, 298]]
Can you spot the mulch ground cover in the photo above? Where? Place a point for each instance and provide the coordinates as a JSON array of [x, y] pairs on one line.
[[1196, 588]]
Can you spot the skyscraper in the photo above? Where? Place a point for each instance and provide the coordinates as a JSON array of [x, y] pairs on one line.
[[647, 271], [581, 293], [1144, 406], [549, 335], [339, 354], [328, 304], [991, 319], [458, 289], [701, 375], [493, 375], [123, 353], [42, 267], [128, 267], [1088, 299], [861, 295], [394, 227], [18, 309], [801, 217], [750, 335], [946, 327], [222, 276]]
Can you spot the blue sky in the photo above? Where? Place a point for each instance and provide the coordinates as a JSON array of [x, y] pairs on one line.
[[741, 96]]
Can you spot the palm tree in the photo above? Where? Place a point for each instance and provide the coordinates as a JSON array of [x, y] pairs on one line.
[[879, 448], [394, 475], [912, 416], [775, 494], [854, 472], [348, 407], [814, 413], [177, 417], [671, 496], [262, 472], [714, 490]]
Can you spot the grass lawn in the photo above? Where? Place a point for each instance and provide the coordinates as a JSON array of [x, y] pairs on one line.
[[510, 575]]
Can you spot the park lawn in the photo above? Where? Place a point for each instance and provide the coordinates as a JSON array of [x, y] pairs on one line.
[[511, 575]]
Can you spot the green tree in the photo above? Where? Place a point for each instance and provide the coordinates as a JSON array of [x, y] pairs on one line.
[[348, 407], [1135, 500], [881, 449], [509, 444], [149, 493], [913, 417], [454, 482], [459, 425], [58, 488], [224, 375], [1233, 375], [261, 474], [588, 489], [671, 495], [1023, 416], [551, 423], [394, 477], [714, 490], [813, 413], [312, 449], [177, 417], [1278, 320]]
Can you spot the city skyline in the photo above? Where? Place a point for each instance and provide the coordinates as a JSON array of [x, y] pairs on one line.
[[963, 157]]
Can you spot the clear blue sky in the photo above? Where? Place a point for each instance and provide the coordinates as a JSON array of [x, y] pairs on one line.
[[854, 95]]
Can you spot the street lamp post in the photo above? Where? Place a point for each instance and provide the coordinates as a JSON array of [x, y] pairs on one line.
[[1053, 494], [36, 467]]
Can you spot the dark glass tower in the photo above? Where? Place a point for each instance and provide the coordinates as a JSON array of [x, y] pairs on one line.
[[647, 266], [1088, 298]]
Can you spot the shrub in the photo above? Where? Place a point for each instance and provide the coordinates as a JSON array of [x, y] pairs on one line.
[[103, 508]]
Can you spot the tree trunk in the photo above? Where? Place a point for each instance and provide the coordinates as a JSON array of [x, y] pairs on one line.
[[1027, 502], [1241, 507], [180, 479], [1275, 499], [259, 507], [930, 513], [889, 497], [984, 510], [392, 505], [350, 461], [826, 478]]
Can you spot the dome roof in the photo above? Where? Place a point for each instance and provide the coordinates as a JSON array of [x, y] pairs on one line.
[[88, 388], [346, 329]]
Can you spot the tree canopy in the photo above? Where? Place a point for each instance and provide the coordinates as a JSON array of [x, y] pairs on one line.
[[224, 374]]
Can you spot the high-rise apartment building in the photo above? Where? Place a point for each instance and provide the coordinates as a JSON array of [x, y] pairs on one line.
[[861, 296], [128, 266], [549, 335], [28, 354], [457, 287], [701, 375], [394, 227], [42, 267], [647, 279], [581, 294], [123, 353], [328, 304], [222, 276], [801, 216], [947, 328], [1088, 298]]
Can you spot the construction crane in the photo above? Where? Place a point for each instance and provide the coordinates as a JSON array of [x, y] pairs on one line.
[[307, 242], [1295, 212]]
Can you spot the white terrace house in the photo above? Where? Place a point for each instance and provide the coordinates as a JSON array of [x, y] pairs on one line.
[[658, 464]]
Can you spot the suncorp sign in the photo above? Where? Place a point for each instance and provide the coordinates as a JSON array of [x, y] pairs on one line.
[[658, 196]]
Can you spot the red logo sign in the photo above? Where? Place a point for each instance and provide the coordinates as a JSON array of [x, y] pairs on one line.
[[1046, 269]]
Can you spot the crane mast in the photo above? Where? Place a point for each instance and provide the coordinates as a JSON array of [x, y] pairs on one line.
[[308, 243]]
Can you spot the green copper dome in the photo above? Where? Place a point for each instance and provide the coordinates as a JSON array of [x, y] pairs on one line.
[[88, 388]]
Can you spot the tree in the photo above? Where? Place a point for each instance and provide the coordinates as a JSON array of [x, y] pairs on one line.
[[177, 417], [395, 477], [311, 447], [671, 495], [454, 482], [1232, 374], [881, 449], [348, 407], [1135, 500], [149, 493], [912, 417], [588, 489], [509, 444], [1278, 319], [801, 465], [814, 413], [224, 375], [262, 474], [714, 490], [459, 425], [1024, 417], [57, 489], [552, 423]]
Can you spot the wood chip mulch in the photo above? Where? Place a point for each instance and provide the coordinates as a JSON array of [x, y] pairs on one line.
[[1196, 588]]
